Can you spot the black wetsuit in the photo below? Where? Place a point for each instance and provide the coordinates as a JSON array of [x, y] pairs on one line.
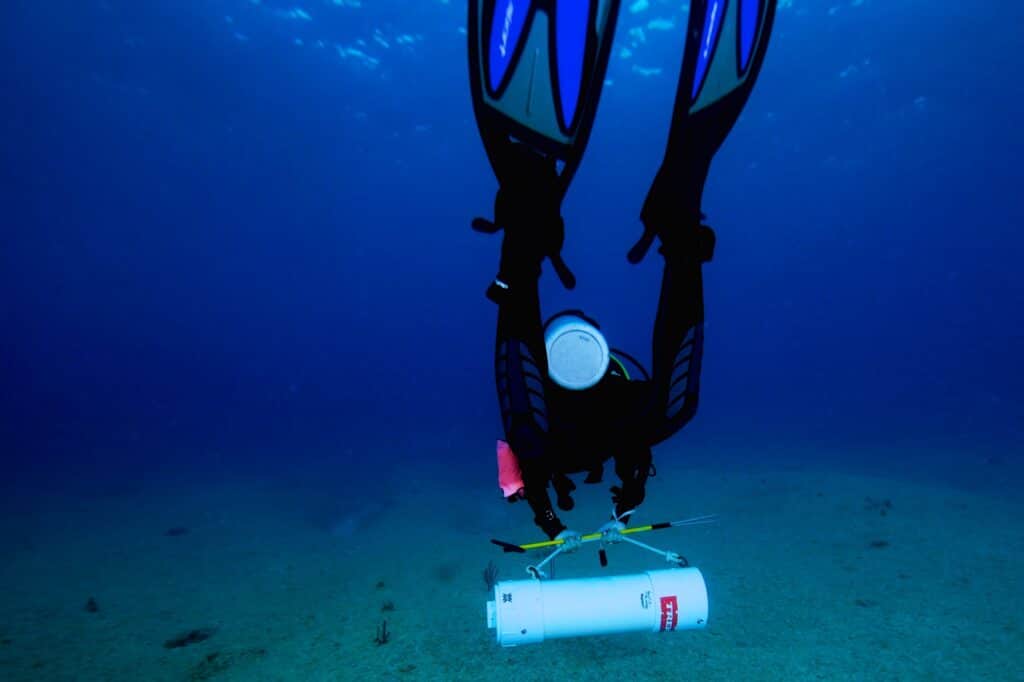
[[553, 431], [534, 154]]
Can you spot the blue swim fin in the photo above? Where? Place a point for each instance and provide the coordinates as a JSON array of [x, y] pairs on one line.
[[536, 71], [726, 41]]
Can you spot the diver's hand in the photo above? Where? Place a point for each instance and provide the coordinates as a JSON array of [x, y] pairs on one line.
[[626, 499], [571, 540]]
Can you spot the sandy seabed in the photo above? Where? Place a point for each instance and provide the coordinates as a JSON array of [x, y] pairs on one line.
[[813, 573]]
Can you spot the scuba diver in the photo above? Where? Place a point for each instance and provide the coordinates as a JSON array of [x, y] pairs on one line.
[[568, 402]]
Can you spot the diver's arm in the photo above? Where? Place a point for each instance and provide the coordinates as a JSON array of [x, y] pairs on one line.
[[543, 513], [679, 330], [633, 467]]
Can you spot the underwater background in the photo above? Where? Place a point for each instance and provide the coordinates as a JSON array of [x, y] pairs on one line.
[[247, 362]]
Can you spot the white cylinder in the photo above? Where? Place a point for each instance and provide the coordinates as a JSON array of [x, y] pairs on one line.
[[529, 611], [577, 352]]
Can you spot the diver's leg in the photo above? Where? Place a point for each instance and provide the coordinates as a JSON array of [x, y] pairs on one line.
[[527, 210], [519, 362], [679, 331], [705, 110], [520, 367]]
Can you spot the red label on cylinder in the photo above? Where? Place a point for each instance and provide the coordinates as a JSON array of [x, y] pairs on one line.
[[669, 613]]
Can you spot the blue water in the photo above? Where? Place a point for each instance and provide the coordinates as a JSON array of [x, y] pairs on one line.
[[246, 359], [237, 235]]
